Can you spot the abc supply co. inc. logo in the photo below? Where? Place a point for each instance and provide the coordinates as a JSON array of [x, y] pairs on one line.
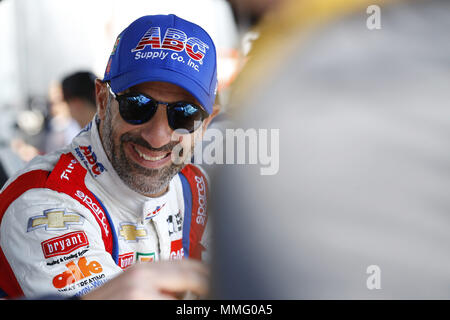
[[90, 159], [174, 40]]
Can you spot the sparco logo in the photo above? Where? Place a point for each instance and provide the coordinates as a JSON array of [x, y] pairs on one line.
[[95, 209], [201, 212], [175, 40]]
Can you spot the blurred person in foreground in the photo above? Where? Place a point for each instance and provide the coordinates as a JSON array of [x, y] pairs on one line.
[[360, 207], [121, 193], [79, 93]]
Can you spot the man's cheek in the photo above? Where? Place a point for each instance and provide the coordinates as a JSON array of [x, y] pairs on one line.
[[182, 152]]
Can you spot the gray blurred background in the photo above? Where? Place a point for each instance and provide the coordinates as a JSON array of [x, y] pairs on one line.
[[364, 179]]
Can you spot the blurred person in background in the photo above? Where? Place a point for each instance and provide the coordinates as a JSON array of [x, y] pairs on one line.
[[120, 194], [79, 93], [359, 208], [61, 127]]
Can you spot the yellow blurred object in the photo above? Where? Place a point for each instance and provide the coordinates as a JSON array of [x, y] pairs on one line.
[[292, 20]]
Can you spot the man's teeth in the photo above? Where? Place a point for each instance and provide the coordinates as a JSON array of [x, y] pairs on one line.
[[148, 158]]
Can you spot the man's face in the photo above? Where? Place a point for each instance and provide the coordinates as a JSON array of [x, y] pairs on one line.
[[142, 154]]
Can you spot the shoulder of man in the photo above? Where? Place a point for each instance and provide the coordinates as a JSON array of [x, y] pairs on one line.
[[50, 240]]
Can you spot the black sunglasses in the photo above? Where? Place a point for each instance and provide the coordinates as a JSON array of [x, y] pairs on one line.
[[138, 108]]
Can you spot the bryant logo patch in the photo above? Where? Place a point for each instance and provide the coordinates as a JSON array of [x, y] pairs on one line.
[[54, 220], [64, 244]]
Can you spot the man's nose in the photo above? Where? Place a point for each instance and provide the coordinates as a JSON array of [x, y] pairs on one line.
[[157, 131]]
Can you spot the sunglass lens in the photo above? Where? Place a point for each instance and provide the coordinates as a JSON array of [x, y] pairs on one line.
[[184, 115], [136, 109]]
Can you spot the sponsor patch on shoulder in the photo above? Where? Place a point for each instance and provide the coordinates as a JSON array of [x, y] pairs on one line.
[[78, 274], [64, 244], [54, 220]]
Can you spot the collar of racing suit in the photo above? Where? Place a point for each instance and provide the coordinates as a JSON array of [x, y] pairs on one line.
[[88, 149]]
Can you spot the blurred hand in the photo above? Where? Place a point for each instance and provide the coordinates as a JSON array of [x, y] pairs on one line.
[[157, 280]]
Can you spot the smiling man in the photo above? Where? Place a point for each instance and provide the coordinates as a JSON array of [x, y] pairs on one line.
[[142, 154], [120, 193]]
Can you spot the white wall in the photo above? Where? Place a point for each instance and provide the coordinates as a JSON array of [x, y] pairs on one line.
[[49, 38]]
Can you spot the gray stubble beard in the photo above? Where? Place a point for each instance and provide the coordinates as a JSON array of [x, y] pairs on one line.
[[145, 181]]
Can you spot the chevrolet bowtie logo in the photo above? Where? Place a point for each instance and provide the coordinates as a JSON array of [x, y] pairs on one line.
[[131, 232], [54, 219]]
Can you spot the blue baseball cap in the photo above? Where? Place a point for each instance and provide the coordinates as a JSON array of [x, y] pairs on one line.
[[165, 48]]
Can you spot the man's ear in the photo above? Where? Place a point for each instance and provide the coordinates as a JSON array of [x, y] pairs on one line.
[[101, 98], [207, 121]]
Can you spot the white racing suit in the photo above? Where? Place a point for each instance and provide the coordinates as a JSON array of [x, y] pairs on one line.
[[69, 223]]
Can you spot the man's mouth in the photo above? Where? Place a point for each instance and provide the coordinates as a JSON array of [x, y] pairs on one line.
[[149, 157]]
